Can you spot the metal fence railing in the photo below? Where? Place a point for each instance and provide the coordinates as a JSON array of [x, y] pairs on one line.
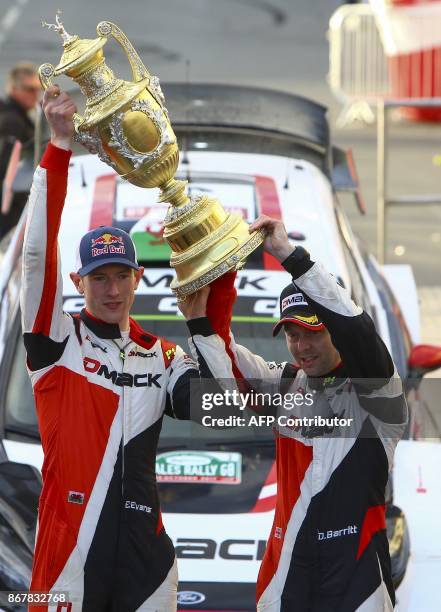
[[358, 70], [362, 79], [386, 200]]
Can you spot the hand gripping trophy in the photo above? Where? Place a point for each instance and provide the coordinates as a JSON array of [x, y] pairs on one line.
[[127, 125]]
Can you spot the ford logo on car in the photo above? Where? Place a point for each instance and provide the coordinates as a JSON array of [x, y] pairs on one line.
[[186, 598]]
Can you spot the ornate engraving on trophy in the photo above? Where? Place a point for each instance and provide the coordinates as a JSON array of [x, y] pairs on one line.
[[121, 142], [92, 142]]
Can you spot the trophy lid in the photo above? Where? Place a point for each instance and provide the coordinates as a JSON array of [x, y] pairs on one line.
[[76, 50]]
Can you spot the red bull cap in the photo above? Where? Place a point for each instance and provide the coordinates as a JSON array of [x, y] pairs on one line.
[[105, 245]]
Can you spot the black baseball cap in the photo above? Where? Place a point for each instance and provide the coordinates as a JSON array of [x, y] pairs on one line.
[[105, 245], [294, 308]]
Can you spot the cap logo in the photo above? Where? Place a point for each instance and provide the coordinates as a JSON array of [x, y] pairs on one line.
[[295, 299], [107, 243], [313, 320]]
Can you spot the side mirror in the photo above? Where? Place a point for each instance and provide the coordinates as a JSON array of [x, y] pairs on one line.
[[424, 358]]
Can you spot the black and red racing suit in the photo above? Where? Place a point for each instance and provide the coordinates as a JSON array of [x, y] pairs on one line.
[[328, 549]]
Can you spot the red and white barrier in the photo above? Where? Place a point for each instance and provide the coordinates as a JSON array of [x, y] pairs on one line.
[[411, 35]]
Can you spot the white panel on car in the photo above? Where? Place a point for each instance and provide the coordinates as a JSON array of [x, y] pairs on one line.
[[417, 491], [226, 536]]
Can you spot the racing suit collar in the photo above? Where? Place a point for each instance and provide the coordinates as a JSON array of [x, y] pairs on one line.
[[107, 331], [111, 331]]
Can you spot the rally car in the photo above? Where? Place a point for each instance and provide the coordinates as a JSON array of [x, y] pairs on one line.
[[258, 151]]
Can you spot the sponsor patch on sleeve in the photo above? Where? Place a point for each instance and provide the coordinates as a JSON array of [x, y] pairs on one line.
[[75, 497]]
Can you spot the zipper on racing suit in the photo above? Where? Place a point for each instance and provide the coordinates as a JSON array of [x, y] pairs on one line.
[[122, 356]]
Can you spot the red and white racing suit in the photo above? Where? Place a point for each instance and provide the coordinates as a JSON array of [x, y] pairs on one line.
[[327, 550], [100, 407]]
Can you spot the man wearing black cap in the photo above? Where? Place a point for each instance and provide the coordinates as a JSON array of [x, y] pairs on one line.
[[308, 340], [101, 386], [328, 550]]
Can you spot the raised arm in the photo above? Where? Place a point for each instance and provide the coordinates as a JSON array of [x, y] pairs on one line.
[[208, 313], [43, 322], [352, 330], [207, 366]]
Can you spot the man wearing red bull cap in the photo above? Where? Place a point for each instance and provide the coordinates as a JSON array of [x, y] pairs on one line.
[[101, 386], [328, 549]]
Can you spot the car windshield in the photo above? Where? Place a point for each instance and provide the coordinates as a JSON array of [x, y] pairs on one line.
[[256, 335]]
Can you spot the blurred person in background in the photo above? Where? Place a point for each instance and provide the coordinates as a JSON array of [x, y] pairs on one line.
[[23, 91]]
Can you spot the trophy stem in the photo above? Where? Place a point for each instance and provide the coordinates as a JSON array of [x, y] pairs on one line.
[[173, 192]]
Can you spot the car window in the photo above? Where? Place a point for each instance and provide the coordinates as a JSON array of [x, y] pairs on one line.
[[401, 343], [358, 289], [19, 400]]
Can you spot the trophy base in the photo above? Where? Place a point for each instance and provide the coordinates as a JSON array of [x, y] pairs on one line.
[[232, 262]]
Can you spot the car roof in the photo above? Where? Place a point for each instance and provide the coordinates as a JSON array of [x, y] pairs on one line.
[[249, 109]]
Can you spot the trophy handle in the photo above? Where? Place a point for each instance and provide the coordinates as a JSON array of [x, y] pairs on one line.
[[106, 29], [46, 73]]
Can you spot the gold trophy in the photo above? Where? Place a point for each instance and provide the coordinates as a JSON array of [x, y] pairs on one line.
[[127, 125]]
